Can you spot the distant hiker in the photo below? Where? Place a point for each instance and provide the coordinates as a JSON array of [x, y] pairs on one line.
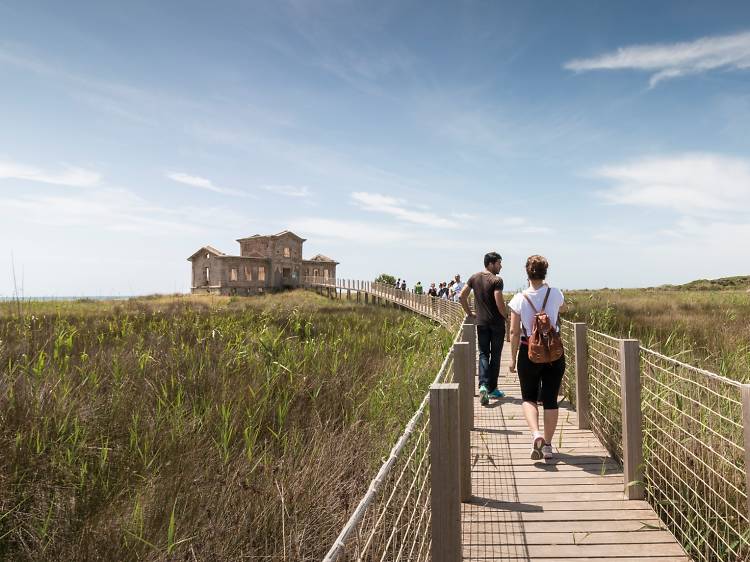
[[398, 283], [534, 337], [451, 292], [403, 285], [418, 288], [432, 291], [443, 292], [458, 287], [490, 321]]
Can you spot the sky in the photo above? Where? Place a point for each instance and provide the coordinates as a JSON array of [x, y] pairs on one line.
[[395, 136]]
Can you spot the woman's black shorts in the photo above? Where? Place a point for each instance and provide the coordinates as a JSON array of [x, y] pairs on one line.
[[533, 375]]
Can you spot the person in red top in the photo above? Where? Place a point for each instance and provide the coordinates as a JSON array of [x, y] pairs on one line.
[[490, 320]]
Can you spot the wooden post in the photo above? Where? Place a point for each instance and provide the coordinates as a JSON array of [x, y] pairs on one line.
[[470, 335], [463, 376], [445, 478], [632, 430], [746, 430], [583, 397]]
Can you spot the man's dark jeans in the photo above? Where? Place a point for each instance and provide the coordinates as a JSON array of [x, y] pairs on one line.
[[490, 341]]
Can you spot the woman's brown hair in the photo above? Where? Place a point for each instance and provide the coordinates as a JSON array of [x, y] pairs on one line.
[[536, 267]]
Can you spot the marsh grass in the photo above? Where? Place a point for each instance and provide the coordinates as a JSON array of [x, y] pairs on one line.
[[198, 428], [708, 329]]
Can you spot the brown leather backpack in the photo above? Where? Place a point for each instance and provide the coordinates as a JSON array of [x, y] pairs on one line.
[[545, 344]]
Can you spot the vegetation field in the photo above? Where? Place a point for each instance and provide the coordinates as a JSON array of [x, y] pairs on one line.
[[198, 428], [706, 328]]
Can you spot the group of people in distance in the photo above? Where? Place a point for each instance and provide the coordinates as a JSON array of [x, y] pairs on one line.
[[540, 382], [449, 290]]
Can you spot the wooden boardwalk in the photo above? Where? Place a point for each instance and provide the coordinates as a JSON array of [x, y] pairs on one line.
[[569, 509]]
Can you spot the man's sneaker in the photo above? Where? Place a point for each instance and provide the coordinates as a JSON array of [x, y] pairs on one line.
[[537, 446], [547, 452], [497, 393], [483, 397]]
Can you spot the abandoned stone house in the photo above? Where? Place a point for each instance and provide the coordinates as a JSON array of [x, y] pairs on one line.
[[265, 263]]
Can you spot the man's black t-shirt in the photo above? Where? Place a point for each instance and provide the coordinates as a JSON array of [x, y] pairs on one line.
[[484, 285]]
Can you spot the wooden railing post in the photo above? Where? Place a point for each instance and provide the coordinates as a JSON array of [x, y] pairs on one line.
[[632, 429], [583, 396], [445, 471], [746, 430], [470, 335], [462, 376]]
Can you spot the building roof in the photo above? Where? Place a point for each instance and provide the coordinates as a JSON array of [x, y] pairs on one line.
[[322, 258], [277, 235], [209, 249]]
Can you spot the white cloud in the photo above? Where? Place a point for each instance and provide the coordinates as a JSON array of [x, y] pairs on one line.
[[69, 175], [670, 60], [203, 183], [379, 203], [117, 210], [696, 184], [366, 233], [289, 190]]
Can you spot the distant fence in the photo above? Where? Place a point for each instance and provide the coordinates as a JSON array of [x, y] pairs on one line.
[[682, 435]]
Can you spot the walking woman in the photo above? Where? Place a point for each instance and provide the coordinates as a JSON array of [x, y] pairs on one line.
[[536, 379]]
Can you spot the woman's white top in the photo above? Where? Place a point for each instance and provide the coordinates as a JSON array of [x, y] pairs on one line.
[[520, 305]]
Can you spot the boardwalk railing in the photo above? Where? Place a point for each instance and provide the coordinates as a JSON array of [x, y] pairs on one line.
[[693, 446], [681, 433]]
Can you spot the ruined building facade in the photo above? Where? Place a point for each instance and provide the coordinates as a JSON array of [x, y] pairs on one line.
[[265, 263]]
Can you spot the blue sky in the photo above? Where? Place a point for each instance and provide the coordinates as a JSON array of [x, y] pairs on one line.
[[405, 137]]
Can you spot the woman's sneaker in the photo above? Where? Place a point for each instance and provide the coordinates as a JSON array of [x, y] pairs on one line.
[[547, 452], [497, 393], [537, 447], [484, 399]]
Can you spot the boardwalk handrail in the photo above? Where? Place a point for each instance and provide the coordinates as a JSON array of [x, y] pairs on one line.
[[696, 441], [392, 520], [695, 447]]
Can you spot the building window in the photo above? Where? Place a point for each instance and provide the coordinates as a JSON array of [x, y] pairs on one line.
[[325, 273], [261, 273], [316, 273], [248, 274], [208, 256], [233, 274], [287, 253], [205, 274]]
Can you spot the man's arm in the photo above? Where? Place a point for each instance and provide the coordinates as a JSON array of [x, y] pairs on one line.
[[500, 302], [463, 298], [515, 339]]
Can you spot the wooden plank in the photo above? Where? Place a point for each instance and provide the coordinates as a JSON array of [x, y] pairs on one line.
[[488, 514], [493, 536], [445, 473], [578, 551]]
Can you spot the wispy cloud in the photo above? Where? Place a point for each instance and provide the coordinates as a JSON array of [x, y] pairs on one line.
[[670, 60], [695, 184], [115, 209], [398, 208], [69, 175], [289, 190], [345, 230], [203, 183]]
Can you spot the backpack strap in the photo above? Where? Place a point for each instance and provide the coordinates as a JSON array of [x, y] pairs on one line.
[[531, 304], [546, 298]]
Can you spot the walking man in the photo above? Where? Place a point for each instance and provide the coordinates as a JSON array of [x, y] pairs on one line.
[[490, 321]]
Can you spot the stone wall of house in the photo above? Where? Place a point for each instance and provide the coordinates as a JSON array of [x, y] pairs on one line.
[[215, 270], [242, 276]]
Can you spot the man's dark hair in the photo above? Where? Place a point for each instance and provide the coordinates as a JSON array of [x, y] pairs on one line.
[[492, 257]]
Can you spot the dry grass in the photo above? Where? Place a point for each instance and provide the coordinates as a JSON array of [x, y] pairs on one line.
[[709, 329], [198, 428]]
